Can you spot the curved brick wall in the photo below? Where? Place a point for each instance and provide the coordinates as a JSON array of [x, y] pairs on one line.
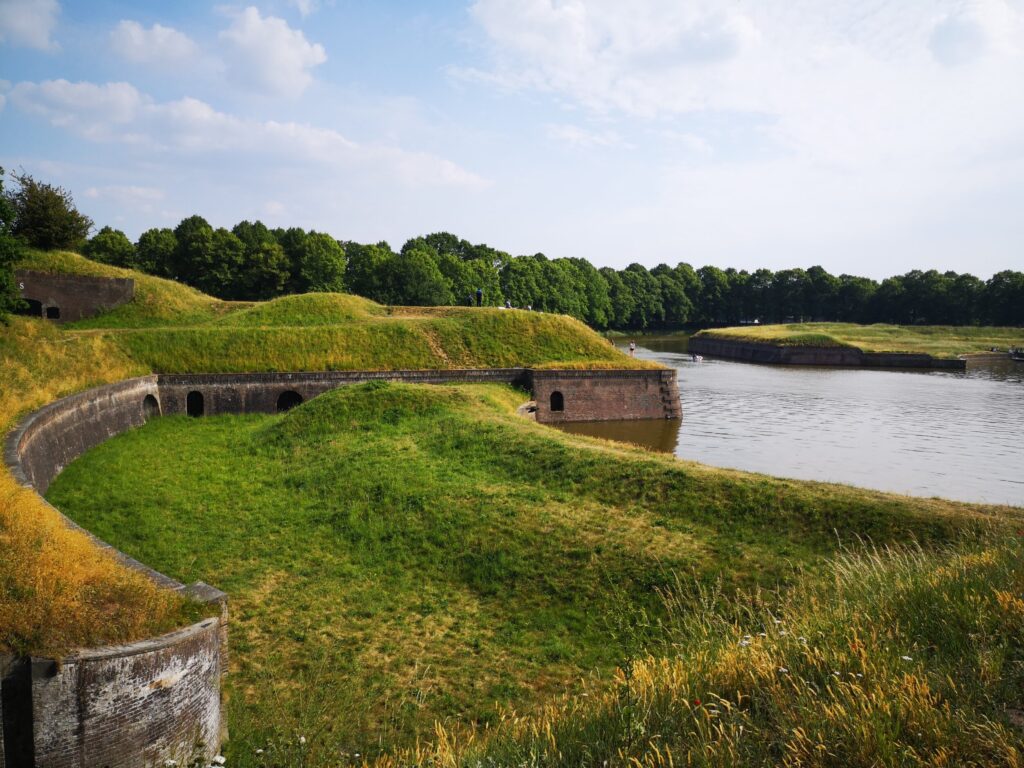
[[755, 352], [124, 706], [156, 700]]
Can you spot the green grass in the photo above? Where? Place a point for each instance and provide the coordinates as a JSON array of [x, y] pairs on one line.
[[938, 341], [397, 555]]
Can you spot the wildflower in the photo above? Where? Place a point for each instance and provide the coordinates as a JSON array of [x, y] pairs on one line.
[[762, 634], [259, 751], [169, 763], [777, 621], [859, 676], [744, 643], [783, 633], [219, 760], [696, 702], [906, 658], [747, 638], [302, 739], [834, 673], [783, 670]]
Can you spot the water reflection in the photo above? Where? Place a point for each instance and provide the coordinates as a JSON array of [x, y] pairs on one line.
[[939, 433], [655, 434]]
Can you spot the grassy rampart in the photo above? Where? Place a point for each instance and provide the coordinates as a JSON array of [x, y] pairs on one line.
[[399, 555], [935, 340], [56, 590]]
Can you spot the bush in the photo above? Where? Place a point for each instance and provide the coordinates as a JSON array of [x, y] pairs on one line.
[[45, 216]]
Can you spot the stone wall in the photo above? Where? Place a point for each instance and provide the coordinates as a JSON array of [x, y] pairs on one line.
[[563, 395], [756, 352], [65, 298], [262, 392]]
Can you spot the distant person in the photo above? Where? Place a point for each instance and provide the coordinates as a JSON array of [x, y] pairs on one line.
[[479, 297], [529, 307], [508, 304], [632, 349]]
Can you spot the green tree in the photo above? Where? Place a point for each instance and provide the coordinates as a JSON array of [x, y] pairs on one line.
[[154, 253], [520, 280], [597, 304], [621, 296], [1004, 298], [266, 269], [10, 251], [367, 270], [676, 303], [854, 299], [822, 294], [45, 215], [648, 309], [714, 294], [321, 264], [416, 280], [111, 246]]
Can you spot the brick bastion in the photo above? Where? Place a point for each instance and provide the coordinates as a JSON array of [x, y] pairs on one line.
[[159, 699], [780, 354]]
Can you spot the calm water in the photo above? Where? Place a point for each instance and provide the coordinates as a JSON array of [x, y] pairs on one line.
[[954, 435]]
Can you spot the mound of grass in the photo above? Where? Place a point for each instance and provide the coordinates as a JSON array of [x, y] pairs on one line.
[[398, 555], [936, 340], [306, 310], [158, 302]]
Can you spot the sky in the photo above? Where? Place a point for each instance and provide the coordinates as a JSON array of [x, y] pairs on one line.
[[871, 137]]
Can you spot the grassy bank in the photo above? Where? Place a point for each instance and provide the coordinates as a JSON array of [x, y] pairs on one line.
[[57, 591], [935, 340], [400, 555]]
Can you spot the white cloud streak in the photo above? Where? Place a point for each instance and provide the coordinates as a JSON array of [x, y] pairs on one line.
[[189, 128], [29, 23]]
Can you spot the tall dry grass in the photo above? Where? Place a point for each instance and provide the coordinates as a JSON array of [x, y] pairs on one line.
[[59, 591], [896, 657]]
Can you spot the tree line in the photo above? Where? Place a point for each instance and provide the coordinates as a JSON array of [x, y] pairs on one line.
[[253, 262]]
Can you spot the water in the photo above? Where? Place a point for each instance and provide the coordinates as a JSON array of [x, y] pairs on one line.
[[949, 434]]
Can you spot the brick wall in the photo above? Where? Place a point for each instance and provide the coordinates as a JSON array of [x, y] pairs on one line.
[[73, 297], [605, 395], [756, 352]]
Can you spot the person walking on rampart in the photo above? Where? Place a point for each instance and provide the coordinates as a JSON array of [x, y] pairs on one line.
[[479, 297], [632, 349]]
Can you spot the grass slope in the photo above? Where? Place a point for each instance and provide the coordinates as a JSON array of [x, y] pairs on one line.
[[936, 340], [398, 555], [57, 591]]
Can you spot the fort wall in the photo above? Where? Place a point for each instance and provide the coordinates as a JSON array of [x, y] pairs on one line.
[[779, 354], [66, 298]]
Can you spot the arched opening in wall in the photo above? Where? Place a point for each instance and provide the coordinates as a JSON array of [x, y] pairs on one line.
[[53, 313], [288, 400], [557, 401], [31, 308], [194, 404], [150, 407]]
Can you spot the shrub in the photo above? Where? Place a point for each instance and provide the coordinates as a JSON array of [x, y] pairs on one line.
[[45, 216], [111, 246]]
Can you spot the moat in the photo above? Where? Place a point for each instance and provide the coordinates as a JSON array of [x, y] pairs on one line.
[[948, 434]]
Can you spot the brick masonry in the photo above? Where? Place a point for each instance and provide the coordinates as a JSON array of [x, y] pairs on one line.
[[65, 298], [159, 699], [755, 352]]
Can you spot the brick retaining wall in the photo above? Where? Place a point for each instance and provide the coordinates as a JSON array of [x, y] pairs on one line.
[[759, 352]]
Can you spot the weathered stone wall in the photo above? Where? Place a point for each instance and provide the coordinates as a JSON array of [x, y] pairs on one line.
[[66, 298], [606, 395], [756, 352], [260, 392]]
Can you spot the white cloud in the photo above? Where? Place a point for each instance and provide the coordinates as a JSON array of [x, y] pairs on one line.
[[29, 23], [305, 7], [189, 128], [266, 54], [582, 138], [156, 45]]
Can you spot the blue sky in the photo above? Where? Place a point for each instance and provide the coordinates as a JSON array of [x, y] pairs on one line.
[[869, 137]]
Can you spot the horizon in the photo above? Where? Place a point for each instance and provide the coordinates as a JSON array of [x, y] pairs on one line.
[[870, 142]]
